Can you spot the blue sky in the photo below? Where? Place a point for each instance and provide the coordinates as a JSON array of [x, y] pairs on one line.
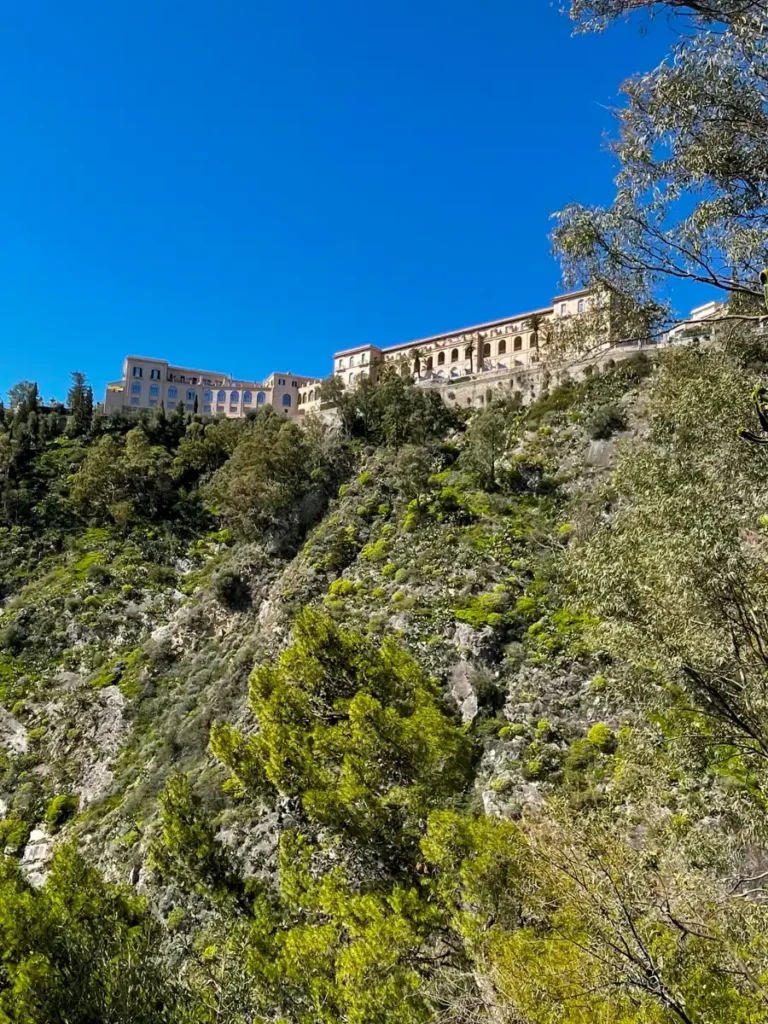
[[248, 186]]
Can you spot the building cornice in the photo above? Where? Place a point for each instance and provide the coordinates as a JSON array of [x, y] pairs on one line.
[[487, 326]]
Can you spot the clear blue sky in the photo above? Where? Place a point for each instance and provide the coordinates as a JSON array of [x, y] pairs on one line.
[[249, 186]]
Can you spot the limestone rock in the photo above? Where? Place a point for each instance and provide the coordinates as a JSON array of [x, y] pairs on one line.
[[481, 643], [13, 735], [462, 690], [36, 859]]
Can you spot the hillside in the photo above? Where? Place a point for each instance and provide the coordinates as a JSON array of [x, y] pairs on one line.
[[501, 755]]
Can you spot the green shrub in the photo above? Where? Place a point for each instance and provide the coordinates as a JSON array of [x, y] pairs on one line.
[[339, 588], [606, 421], [13, 638], [97, 573], [376, 551], [60, 809], [486, 610], [602, 738], [581, 754], [231, 589]]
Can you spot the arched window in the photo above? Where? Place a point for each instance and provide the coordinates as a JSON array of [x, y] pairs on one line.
[[222, 396], [454, 372], [287, 401], [208, 396], [441, 358], [191, 396], [468, 352], [502, 346], [154, 389], [429, 363], [351, 360], [454, 355], [234, 397], [261, 398], [247, 397], [351, 379], [311, 396], [486, 351], [581, 305], [517, 344], [172, 392], [341, 364]]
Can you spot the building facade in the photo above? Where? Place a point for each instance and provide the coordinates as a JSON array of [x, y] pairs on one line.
[[509, 352], [156, 383], [516, 342]]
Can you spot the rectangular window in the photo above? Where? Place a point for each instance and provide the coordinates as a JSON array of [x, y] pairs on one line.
[[138, 372], [155, 375], [563, 308], [281, 382], [206, 408], [233, 408], [190, 406], [134, 401], [136, 389], [294, 383], [171, 404], [220, 407], [152, 403]]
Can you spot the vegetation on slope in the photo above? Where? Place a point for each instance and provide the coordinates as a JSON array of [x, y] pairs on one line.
[[425, 718]]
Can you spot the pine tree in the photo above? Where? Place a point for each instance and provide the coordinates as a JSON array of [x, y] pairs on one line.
[[80, 405]]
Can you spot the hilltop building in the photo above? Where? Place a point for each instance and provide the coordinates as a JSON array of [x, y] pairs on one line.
[[496, 346], [521, 352], [152, 383]]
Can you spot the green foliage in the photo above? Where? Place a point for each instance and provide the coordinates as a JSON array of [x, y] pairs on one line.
[[231, 589], [392, 411], [486, 442], [279, 477], [602, 737], [59, 809], [80, 405], [355, 733], [485, 610], [606, 421], [340, 588], [187, 851], [79, 950]]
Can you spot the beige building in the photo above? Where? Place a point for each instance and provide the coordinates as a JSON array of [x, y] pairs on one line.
[[499, 346], [511, 352], [155, 383]]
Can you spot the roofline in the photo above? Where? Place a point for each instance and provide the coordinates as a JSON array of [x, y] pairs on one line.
[[352, 351], [574, 295], [298, 376], [465, 330], [178, 366], [445, 334]]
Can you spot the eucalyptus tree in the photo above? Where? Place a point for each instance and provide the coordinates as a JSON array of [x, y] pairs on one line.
[[691, 200]]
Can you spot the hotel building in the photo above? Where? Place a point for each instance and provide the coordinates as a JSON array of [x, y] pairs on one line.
[[152, 383]]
